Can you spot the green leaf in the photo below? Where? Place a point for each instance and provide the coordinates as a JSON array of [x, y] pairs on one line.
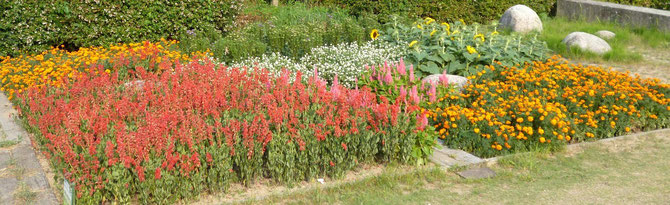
[[447, 57], [419, 55], [435, 59], [455, 67], [430, 68]]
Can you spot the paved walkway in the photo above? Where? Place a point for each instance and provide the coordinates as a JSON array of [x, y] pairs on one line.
[[22, 179]]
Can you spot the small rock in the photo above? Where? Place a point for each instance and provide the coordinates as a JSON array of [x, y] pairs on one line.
[[521, 18], [458, 81], [587, 42], [477, 173], [605, 34]]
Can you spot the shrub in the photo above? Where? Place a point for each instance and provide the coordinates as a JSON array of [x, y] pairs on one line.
[[547, 104], [289, 30], [201, 126], [35, 26], [346, 60], [458, 48], [50, 67], [483, 11]]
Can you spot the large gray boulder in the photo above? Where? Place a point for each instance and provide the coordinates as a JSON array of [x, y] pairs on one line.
[[521, 19], [605, 34], [458, 81], [587, 42]]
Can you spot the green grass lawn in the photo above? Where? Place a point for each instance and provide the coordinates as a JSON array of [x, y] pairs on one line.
[[624, 45], [628, 171]]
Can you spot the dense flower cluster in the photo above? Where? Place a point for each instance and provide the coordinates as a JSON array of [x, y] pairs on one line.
[[167, 136], [345, 60], [458, 48], [509, 109], [50, 67]]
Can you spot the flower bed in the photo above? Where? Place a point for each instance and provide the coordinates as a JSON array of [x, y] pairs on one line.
[[49, 67], [458, 48], [346, 60], [546, 104], [169, 136]]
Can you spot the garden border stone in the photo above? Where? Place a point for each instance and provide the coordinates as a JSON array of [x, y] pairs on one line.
[[20, 156], [494, 160], [621, 14], [446, 157]]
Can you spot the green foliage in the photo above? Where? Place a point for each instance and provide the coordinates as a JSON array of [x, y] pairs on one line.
[[291, 31], [482, 11], [624, 44], [657, 4], [35, 26], [461, 49]]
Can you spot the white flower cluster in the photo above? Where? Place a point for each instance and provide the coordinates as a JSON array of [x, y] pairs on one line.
[[347, 61], [274, 62]]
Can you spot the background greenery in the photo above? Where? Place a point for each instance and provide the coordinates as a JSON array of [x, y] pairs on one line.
[[291, 30], [625, 46], [35, 25], [482, 11]]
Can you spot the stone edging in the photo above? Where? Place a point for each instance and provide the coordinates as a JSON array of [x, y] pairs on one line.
[[494, 160], [621, 14], [22, 177]]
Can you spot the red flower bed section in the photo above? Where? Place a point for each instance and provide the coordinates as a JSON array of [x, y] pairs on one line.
[[198, 128]]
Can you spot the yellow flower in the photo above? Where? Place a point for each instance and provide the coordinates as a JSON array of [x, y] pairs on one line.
[[433, 32], [542, 140], [419, 26], [429, 20], [476, 130], [374, 34], [480, 36], [461, 20], [446, 26], [471, 50], [413, 43]]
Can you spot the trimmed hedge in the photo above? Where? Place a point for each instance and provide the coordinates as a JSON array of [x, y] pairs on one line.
[[482, 11], [35, 26]]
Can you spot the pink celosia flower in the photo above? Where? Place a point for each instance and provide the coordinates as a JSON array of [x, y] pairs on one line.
[[388, 78], [432, 92], [444, 79], [414, 95], [401, 67]]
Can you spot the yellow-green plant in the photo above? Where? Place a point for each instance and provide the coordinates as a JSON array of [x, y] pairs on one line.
[[459, 48]]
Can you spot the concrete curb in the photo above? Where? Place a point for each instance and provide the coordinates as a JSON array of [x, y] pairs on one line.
[[494, 160], [621, 14]]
